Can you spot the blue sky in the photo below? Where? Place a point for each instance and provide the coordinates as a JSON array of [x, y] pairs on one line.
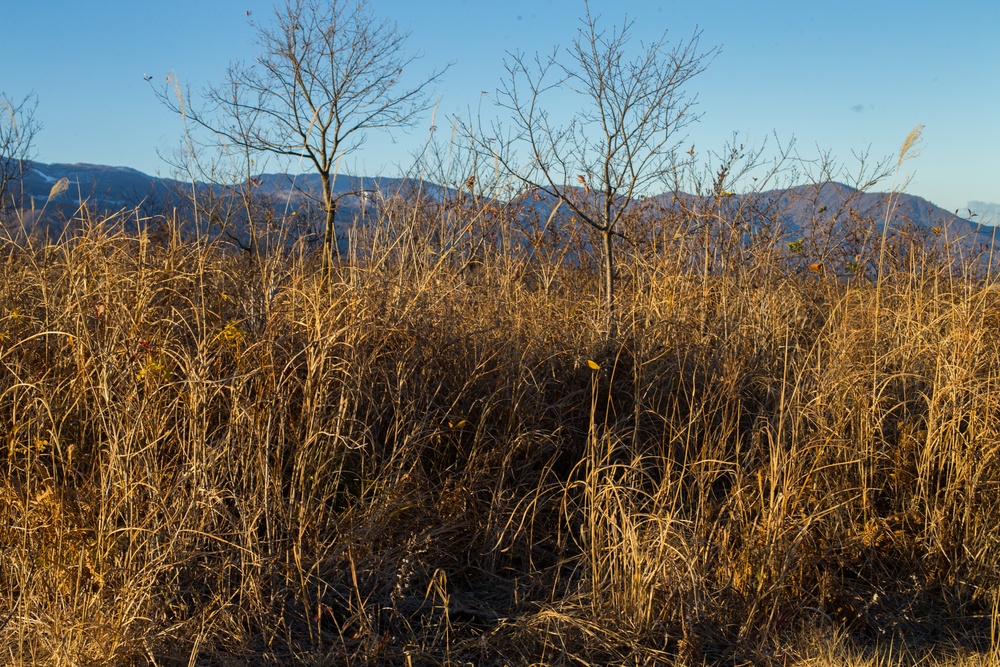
[[841, 77]]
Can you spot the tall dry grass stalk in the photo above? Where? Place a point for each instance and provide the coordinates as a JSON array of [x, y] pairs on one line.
[[214, 458]]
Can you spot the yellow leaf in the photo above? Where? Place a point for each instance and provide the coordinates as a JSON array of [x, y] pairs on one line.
[[594, 366]]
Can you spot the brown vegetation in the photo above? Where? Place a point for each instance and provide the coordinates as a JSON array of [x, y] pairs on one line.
[[437, 457]]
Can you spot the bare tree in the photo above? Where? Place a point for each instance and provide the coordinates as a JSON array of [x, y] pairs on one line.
[[18, 128], [620, 140], [328, 72]]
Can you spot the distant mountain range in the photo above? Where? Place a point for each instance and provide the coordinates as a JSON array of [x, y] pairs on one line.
[[115, 188], [111, 188]]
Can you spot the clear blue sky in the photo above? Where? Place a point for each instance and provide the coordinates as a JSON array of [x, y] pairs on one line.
[[842, 76]]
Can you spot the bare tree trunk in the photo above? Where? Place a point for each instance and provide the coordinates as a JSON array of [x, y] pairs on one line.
[[330, 229], [609, 281], [330, 235]]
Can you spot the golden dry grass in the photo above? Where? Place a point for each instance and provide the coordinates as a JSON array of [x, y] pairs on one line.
[[215, 458]]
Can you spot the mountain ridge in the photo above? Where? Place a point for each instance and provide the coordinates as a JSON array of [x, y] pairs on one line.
[[110, 188]]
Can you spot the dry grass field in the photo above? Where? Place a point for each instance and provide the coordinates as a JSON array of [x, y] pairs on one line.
[[215, 457]]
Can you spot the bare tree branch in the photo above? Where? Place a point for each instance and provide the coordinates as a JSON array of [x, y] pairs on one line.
[[18, 129], [621, 140], [328, 73]]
